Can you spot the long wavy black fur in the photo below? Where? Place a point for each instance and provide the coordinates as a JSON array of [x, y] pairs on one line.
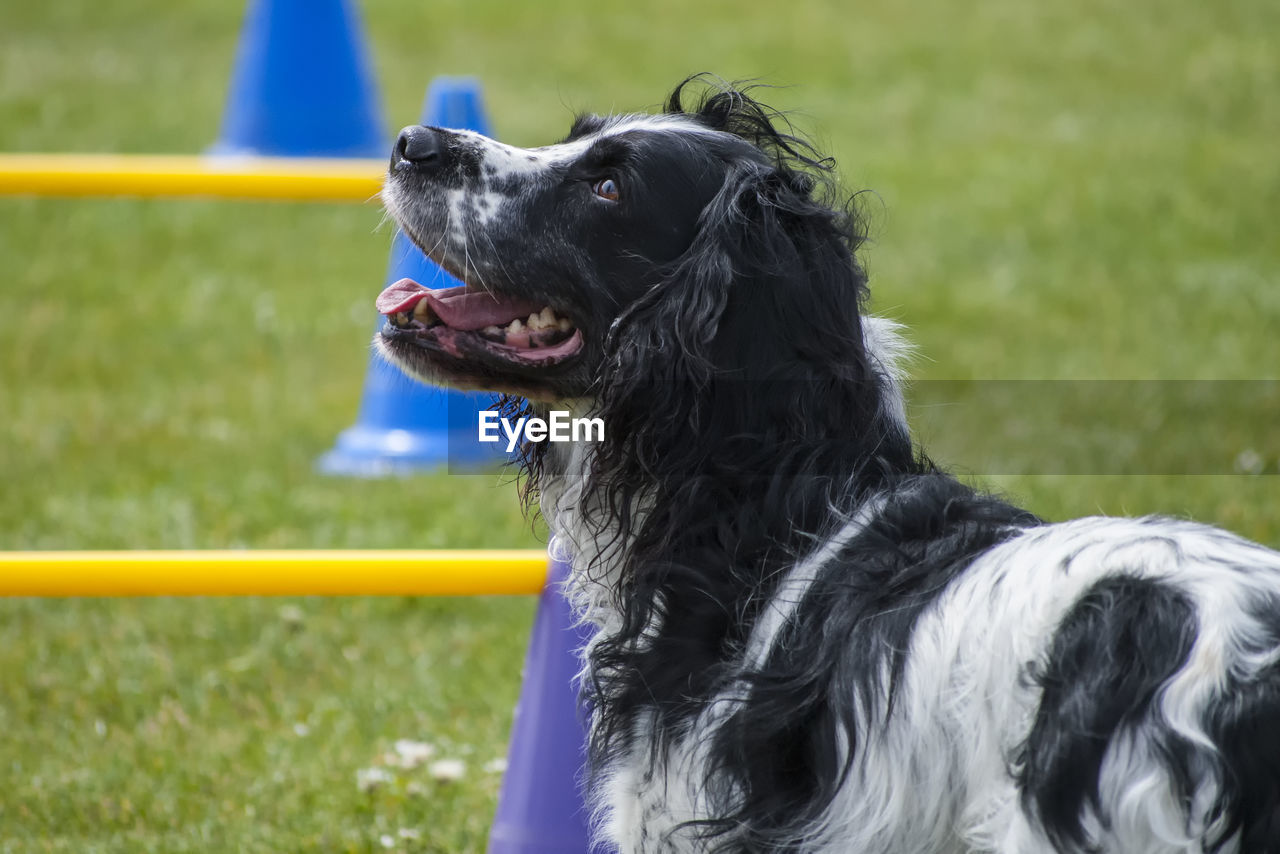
[[744, 421]]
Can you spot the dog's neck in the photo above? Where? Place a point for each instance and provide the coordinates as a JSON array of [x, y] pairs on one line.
[[595, 551], [591, 549]]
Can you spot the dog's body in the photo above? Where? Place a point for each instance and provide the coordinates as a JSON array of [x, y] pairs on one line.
[[810, 639]]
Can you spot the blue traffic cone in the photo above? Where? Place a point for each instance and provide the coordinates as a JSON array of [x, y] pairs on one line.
[[302, 85], [455, 102], [404, 426], [540, 807]]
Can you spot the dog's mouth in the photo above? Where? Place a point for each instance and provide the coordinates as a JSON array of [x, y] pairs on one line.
[[466, 323]]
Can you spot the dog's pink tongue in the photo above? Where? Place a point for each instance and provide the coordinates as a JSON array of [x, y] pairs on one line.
[[400, 296], [457, 307]]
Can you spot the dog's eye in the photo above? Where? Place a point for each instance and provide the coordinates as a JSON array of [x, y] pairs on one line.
[[606, 188]]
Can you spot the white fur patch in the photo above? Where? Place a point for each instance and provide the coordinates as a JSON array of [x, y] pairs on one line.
[[500, 161], [937, 777]]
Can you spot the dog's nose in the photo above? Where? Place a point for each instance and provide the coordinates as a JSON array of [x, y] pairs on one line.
[[420, 146]]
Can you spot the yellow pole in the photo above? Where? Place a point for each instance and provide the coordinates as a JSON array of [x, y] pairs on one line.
[[273, 573], [277, 178]]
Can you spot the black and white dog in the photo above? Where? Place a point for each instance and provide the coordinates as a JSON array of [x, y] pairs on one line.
[[810, 638]]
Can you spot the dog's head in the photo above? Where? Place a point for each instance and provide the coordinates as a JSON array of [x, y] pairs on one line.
[[682, 237], [551, 242]]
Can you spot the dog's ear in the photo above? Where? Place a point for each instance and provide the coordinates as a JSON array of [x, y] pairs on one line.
[[794, 308], [666, 335], [769, 288], [753, 335]]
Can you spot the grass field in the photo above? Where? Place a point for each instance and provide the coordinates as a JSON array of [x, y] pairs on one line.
[[1078, 192]]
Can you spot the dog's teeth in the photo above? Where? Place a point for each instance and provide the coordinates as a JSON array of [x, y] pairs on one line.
[[563, 324], [545, 319], [421, 310], [492, 330], [401, 318], [515, 326]]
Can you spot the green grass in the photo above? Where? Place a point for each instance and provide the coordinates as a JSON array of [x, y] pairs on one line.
[[1084, 192]]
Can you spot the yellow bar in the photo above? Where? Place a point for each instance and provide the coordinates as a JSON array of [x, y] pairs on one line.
[[151, 175], [466, 572]]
